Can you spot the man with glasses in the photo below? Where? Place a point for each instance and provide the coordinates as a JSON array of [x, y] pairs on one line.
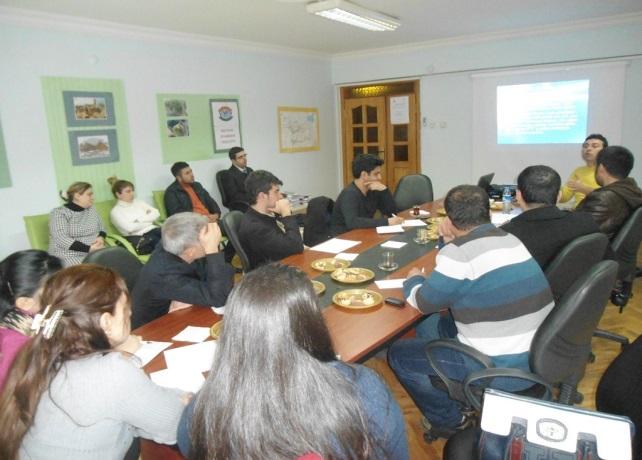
[[233, 181]]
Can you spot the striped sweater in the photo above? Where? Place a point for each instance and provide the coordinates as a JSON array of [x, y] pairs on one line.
[[496, 292]]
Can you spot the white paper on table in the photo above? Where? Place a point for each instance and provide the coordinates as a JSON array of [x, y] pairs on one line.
[[148, 350], [190, 381], [500, 218], [390, 284], [390, 229], [335, 245], [192, 334], [346, 256], [197, 357], [393, 244], [413, 223]]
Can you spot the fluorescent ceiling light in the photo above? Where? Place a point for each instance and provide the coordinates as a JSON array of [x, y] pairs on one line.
[[355, 15]]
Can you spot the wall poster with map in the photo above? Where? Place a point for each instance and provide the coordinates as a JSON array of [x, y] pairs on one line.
[[298, 129]]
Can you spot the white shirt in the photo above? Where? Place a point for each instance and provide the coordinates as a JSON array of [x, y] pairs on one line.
[[135, 218]]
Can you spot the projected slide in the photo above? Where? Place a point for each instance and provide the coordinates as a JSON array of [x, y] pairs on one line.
[[542, 113]]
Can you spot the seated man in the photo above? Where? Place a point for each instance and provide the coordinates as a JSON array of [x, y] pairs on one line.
[[543, 227], [185, 269], [618, 195], [233, 181], [358, 202], [268, 230], [497, 296], [187, 195]]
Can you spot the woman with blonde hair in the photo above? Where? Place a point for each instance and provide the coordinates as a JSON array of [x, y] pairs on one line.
[[134, 218], [75, 229], [75, 391]]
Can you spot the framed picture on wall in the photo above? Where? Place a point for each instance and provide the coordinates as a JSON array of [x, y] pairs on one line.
[[298, 129], [93, 147], [89, 108], [226, 124]]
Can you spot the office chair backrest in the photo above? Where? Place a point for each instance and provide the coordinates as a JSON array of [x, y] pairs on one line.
[[485, 180], [562, 344], [317, 221], [159, 201], [573, 261], [231, 222], [626, 243], [413, 189], [120, 260], [38, 231], [221, 189]]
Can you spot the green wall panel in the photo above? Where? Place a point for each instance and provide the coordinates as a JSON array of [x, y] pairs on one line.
[[5, 175]]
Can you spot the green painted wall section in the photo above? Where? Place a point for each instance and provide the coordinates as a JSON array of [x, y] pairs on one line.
[[199, 145], [5, 174], [95, 174]]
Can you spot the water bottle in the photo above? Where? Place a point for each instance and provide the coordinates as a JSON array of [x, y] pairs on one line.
[[507, 200]]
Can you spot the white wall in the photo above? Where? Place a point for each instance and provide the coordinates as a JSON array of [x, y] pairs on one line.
[[148, 65], [446, 86]]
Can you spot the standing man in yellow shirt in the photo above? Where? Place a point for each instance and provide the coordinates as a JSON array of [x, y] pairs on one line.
[[582, 180]]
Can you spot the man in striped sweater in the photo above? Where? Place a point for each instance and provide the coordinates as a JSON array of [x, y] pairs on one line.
[[492, 296]]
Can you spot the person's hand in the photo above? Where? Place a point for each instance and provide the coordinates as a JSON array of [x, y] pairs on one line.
[[376, 185], [98, 244], [395, 220], [213, 218], [416, 271], [210, 238], [579, 187], [176, 305], [283, 208], [446, 230], [131, 344]]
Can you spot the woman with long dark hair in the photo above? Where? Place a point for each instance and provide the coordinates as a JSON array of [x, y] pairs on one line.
[[20, 276], [276, 389], [74, 391]]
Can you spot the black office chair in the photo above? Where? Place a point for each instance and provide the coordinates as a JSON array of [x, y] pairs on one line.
[[235, 205], [625, 245], [485, 180], [119, 259], [559, 351], [413, 189], [231, 222], [317, 220]]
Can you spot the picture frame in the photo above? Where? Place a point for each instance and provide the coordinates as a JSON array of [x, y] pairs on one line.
[[226, 124], [89, 108], [298, 129], [92, 147]]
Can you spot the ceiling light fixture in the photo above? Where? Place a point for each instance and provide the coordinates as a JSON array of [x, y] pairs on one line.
[[355, 15]]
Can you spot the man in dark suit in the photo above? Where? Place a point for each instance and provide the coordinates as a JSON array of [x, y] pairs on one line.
[[187, 195], [233, 181], [543, 227]]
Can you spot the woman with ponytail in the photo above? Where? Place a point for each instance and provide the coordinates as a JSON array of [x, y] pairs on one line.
[[74, 391]]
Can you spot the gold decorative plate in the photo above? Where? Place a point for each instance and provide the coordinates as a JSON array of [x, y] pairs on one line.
[[357, 299], [318, 286], [215, 330], [352, 275], [329, 264], [441, 211], [497, 206]]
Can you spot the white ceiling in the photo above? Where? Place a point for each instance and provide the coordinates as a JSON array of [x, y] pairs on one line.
[[285, 22]]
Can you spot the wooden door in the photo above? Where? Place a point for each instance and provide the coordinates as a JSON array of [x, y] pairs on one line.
[[401, 150]]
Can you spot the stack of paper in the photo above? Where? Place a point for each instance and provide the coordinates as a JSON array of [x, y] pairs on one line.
[[335, 245]]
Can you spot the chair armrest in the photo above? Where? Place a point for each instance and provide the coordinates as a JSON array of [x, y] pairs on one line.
[[495, 372]]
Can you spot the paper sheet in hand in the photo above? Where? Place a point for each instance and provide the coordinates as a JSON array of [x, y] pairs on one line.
[[390, 284], [335, 245], [148, 350], [390, 229], [347, 256], [192, 334], [413, 223], [190, 381], [196, 357]]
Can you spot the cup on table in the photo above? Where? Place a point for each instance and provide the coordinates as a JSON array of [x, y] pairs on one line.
[[388, 261], [423, 235], [415, 210]]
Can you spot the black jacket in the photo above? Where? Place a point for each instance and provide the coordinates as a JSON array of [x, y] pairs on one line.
[[177, 200], [353, 209], [612, 204], [546, 230], [166, 277], [233, 182]]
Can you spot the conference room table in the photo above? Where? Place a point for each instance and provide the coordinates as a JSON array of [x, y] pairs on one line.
[[356, 334]]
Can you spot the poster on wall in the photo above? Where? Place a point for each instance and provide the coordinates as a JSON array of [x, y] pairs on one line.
[[89, 108], [226, 124], [298, 129], [93, 147]]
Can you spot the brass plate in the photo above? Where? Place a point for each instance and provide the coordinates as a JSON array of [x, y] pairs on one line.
[[497, 206], [318, 286], [441, 211], [357, 299], [215, 330], [329, 264], [352, 275]]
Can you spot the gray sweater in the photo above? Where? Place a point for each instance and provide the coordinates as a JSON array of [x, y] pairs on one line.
[[94, 408]]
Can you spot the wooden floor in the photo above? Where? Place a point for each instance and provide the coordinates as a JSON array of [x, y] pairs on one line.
[[629, 324]]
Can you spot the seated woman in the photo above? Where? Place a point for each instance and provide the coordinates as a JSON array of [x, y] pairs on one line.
[[276, 389], [582, 180], [133, 218], [74, 391], [20, 277], [76, 229]]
